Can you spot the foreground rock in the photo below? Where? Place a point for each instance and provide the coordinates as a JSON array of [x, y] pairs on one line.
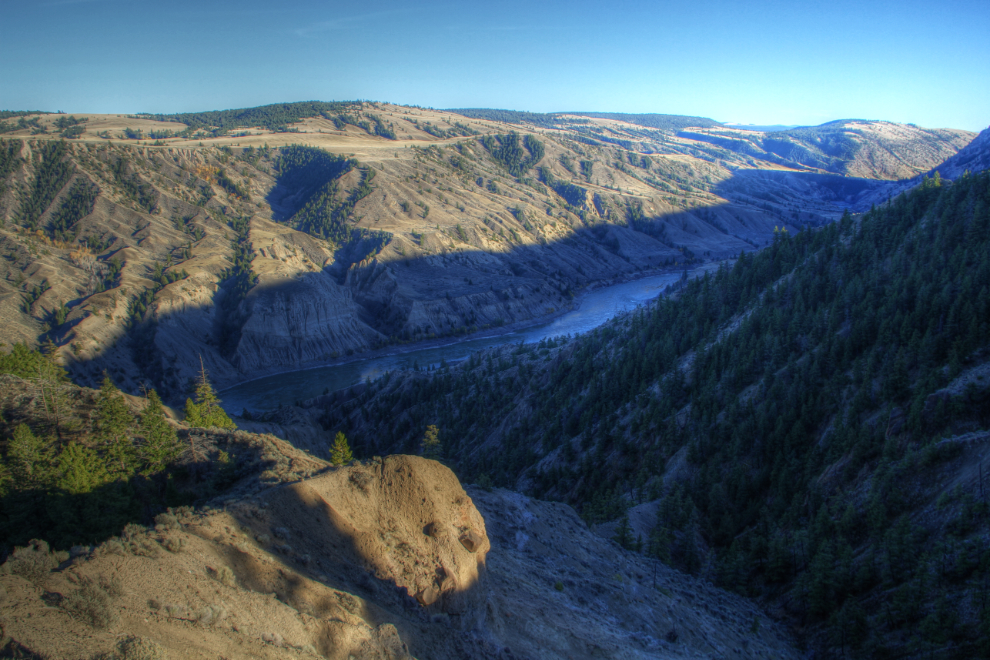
[[384, 559]]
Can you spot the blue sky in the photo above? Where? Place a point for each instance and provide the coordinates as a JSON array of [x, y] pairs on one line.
[[760, 62]]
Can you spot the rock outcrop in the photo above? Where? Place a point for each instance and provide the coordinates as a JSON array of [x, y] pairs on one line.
[[385, 559]]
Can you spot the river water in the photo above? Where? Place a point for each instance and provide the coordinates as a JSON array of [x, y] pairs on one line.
[[594, 308]]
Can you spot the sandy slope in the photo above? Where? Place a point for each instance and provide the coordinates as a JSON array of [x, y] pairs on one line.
[[388, 558]]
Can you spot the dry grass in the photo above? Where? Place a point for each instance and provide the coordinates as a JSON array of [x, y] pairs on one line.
[[34, 562], [92, 604]]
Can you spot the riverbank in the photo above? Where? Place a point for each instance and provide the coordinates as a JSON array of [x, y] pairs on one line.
[[488, 333], [593, 307]]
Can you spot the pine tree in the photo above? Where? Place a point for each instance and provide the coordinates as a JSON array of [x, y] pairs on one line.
[[80, 470], [430, 444], [161, 444], [204, 409], [28, 458], [50, 378], [113, 424], [659, 543], [340, 453], [623, 533]]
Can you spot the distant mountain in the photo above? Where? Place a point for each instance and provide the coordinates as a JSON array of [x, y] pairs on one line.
[[272, 116], [454, 223], [974, 157]]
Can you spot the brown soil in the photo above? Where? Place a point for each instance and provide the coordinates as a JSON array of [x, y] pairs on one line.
[[386, 559]]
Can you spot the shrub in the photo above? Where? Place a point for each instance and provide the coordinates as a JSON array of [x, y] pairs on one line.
[[175, 611], [140, 648], [143, 548], [211, 615], [132, 531], [111, 547], [174, 544], [33, 562], [272, 638], [166, 521], [90, 603], [225, 576], [113, 586]]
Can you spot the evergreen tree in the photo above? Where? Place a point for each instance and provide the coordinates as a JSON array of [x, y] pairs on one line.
[[113, 425], [430, 444], [659, 543], [50, 378], [80, 470], [340, 453], [29, 466], [161, 444], [204, 409], [623, 533], [90, 502], [28, 459]]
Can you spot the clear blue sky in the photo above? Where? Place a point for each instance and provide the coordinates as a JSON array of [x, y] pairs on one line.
[[764, 61]]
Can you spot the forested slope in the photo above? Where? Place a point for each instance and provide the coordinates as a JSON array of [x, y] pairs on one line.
[[807, 422]]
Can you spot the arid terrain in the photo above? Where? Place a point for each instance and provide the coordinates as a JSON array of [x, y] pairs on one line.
[[782, 456], [388, 558], [135, 254]]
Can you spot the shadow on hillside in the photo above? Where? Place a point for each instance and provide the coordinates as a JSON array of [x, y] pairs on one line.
[[763, 188], [321, 547], [456, 288]]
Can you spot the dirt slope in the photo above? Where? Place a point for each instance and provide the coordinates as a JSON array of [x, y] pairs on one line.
[[384, 559]]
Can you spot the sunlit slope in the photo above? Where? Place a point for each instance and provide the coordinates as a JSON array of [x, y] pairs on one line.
[[137, 243]]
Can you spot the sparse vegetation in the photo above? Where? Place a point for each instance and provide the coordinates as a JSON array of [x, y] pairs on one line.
[[139, 648], [52, 172], [33, 562], [92, 604]]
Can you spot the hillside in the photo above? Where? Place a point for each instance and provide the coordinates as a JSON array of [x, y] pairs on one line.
[[285, 555], [137, 243], [974, 157], [806, 427], [863, 149]]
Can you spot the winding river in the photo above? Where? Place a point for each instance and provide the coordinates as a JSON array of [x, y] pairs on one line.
[[594, 308]]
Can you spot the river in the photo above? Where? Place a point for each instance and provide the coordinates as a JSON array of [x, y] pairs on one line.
[[594, 308]]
